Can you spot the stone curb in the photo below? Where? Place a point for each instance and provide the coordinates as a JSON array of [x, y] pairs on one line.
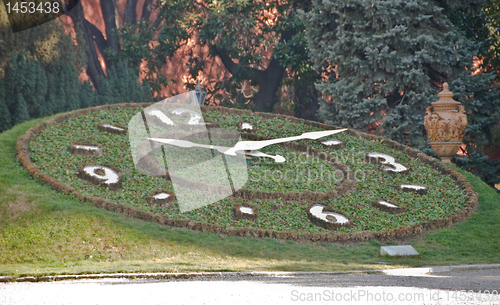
[[190, 275]]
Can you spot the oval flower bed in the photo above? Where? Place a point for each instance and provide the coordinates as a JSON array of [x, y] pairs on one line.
[[340, 179]]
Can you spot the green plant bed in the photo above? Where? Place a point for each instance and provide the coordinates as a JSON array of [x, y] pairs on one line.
[[43, 232], [449, 198]]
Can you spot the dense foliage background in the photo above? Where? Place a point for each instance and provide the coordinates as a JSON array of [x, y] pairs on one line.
[[371, 65], [385, 62]]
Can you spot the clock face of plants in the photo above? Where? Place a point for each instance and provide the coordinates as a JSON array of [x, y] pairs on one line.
[[343, 183]]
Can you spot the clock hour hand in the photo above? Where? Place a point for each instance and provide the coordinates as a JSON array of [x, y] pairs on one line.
[[256, 153]]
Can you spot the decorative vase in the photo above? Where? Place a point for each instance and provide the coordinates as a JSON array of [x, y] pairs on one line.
[[445, 124]]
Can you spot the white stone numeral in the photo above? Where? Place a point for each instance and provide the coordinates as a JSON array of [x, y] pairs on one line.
[[421, 189], [387, 160], [317, 211], [161, 116], [195, 117], [108, 176]]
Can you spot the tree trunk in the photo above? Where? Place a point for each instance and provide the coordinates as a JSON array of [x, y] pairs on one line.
[[95, 38], [108, 13], [94, 69], [146, 9], [130, 14], [308, 111], [269, 80], [269, 84]]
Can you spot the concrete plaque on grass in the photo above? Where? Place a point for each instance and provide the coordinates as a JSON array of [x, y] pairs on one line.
[[398, 250]]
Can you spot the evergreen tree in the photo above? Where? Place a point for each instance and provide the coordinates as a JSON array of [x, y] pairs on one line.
[[24, 75], [35, 89], [118, 77], [61, 100], [87, 95], [40, 96], [55, 103], [14, 81], [64, 88], [385, 62], [48, 43], [20, 110], [5, 116], [73, 102], [115, 91], [5, 120], [474, 92], [51, 104], [483, 28], [27, 67], [105, 92], [70, 86], [121, 86], [147, 93], [126, 84]]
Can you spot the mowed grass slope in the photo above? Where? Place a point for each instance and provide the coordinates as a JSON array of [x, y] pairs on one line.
[[45, 232]]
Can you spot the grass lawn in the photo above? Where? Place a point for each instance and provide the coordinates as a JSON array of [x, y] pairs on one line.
[[43, 232]]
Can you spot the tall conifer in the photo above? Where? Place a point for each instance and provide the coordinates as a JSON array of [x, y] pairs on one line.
[[87, 95], [51, 106], [5, 116], [40, 96], [385, 62], [69, 87], [14, 81], [105, 92], [20, 114]]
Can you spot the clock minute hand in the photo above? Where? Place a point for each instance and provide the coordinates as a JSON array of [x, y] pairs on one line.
[[187, 144], [221, 149], [255, 145], [242, 146]]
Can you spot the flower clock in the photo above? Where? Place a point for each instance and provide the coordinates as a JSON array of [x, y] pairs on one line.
[[235, 172]]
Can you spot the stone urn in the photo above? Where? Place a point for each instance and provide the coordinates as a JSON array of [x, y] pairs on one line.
[[445, 124]]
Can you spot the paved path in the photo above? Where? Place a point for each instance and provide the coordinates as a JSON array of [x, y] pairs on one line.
[[354, 288]]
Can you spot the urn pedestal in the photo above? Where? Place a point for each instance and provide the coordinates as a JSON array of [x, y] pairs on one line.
[[445, 124]]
